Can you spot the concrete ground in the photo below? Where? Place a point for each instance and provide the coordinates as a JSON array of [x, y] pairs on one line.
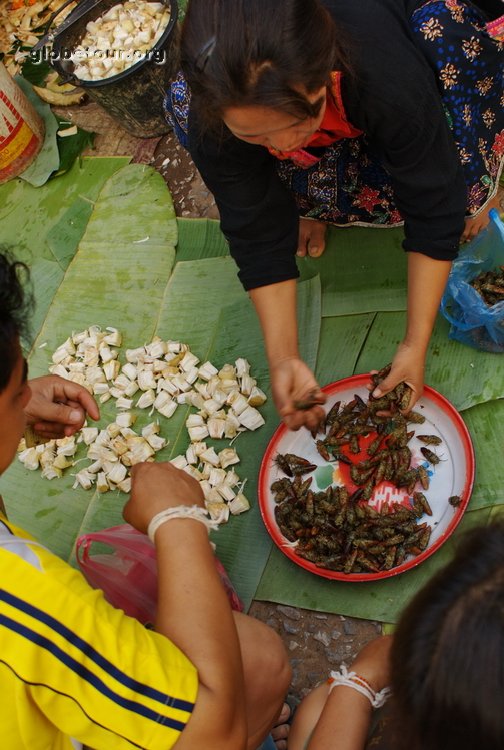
[[316, 642]]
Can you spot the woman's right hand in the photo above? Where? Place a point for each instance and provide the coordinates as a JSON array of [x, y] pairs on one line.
[[291, 381]]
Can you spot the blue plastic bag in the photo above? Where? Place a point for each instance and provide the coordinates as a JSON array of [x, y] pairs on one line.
[[473, 322]]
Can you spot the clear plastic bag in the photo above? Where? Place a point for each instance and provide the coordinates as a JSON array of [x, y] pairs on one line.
[[472, 321], [128, 575]]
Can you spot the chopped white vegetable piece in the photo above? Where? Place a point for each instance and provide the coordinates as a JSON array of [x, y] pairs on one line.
[[210, 456], [146, 399], [251, 418], [237, 402], [228, 457], [239, 505], [126, 419], [85, 479], [242, 367], [207, 370], [179, 462], [168, 409], [101, 482]]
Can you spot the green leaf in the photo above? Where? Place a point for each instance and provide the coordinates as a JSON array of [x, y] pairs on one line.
[[117, 277], [48, 158], [43, 226], [362, 270], [71, 146], [465, 376], [35, 72]]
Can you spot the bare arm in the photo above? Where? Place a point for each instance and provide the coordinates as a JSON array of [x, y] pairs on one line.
[[344, 722], [340, 720], [193, 611], [426, 283], [291, 379]]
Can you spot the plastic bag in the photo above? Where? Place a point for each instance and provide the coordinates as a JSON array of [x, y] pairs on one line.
[[473, 322], [128, 576]]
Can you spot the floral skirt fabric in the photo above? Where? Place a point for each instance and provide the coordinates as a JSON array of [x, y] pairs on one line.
[[348, 185]]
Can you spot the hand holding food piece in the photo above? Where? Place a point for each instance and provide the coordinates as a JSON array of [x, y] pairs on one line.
[[407, 367], [157, 487], [294, 386], [58, 407]]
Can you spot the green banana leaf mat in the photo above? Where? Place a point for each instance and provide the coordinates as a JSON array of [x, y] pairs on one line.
[[105, 248]]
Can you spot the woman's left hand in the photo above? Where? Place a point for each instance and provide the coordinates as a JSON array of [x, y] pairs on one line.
[[408, 367], [58, 407], [474, 225]]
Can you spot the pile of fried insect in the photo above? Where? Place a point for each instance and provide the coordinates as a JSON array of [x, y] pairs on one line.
[[336, 528]]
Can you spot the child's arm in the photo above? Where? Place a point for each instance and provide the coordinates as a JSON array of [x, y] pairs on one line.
[[193, 610], [340, 720]]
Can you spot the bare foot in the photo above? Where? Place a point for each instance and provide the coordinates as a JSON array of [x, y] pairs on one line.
[[311, 237], [479, 222], [280, 731]]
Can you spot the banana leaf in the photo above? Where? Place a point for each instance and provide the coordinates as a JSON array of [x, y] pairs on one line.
[[48, 159], [485, 423], [362, 270], [43, 226], [118, 277], [123, 272], [341, 341], [463, 375], [242, 544], [200, 238]]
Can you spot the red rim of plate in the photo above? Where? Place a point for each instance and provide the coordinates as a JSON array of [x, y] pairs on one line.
[[441, 403]]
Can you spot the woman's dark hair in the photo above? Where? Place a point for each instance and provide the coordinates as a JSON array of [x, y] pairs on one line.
[[15, 305], [258, 52], [448, 653]]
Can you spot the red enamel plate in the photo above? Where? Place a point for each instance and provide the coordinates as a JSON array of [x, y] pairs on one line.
[[453, 475]]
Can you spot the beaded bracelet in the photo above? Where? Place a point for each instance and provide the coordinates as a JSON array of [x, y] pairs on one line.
[[193, 512], [355, 681]]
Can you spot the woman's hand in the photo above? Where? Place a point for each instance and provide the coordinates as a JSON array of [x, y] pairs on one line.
[[408, 367], [291, 381], [57, 407], [474, 225]]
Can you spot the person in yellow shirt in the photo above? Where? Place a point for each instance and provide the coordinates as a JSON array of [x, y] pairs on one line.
[[76, 671]]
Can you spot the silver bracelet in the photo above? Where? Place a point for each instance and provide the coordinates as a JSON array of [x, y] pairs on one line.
[[356, 682], [193, 512]]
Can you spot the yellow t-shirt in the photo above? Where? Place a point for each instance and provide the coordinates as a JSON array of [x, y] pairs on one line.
[[73, 666]]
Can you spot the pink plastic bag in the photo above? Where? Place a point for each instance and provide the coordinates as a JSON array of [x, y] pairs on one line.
[[128, 576]]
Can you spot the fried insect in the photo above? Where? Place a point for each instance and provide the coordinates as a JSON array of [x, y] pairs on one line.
[[423, 477], [322, 449], [490, 285], [430, 439], [293, 465], [334, 531], [312, 399], [430, 456], [415, 417], [405, 399], [422, 500], [455, 500]]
